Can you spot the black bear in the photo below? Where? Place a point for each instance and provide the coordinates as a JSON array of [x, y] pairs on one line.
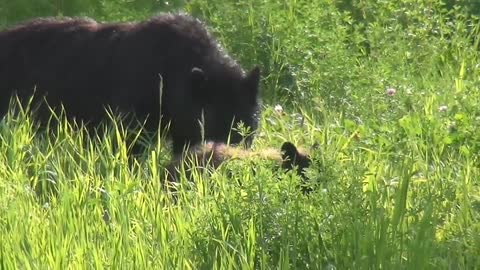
[[211, 155], [168, 69]]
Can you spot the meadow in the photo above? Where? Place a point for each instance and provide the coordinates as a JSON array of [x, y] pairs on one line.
[[389, 90]]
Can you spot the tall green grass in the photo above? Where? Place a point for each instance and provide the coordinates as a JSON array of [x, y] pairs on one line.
[[396, 171]]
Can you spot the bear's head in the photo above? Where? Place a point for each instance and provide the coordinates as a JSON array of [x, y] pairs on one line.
[[229, 104], [292, 158]]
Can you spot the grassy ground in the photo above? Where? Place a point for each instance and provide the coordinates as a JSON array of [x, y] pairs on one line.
[[390, 91]]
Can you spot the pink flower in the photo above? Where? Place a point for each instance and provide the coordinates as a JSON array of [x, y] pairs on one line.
[[391, 91]]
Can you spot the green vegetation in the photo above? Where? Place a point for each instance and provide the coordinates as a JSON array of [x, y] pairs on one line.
[[389, 89]]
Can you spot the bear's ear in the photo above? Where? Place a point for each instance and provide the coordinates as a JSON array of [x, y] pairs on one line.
[[252, 80], [197, 77]]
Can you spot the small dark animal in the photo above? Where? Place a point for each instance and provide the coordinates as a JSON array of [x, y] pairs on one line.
[[293, 158], [212, 155], [87, 66]]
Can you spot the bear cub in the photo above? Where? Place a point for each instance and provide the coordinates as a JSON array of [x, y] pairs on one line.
[[211, 155]]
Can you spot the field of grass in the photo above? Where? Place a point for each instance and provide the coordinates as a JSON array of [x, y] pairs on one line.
[[388, 89]]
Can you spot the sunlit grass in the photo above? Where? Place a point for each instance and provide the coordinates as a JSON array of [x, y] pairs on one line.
[[384, 95]]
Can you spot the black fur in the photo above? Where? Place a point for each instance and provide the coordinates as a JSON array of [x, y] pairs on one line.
[[292, 159], [87, 66]]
